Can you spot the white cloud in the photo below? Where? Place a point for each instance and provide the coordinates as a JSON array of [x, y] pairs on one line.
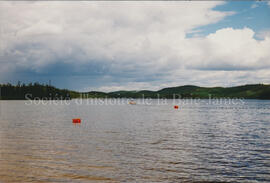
[[254, 5], [230, 49], [140, 44], [263, 34]]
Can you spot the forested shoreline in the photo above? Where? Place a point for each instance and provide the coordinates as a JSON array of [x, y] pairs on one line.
[[48, 92]]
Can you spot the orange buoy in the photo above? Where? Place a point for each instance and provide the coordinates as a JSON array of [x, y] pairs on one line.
[[76, 120], [176, 106], [132, 102]]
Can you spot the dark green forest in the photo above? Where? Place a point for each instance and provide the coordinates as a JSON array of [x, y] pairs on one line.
[[34, 90], [48, 92]]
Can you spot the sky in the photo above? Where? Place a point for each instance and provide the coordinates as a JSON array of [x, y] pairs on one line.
[[109, 46]]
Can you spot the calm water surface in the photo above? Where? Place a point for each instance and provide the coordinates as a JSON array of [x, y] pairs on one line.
[[135, 143]]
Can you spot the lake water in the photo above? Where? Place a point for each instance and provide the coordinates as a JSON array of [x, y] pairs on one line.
[[199, 142]]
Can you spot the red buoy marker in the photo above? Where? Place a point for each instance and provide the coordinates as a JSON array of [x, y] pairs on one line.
[[76, 120], [176, 106]]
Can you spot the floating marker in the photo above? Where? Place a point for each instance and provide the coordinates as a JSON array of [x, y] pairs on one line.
[[176, 106], [132, 102], [76, 120]]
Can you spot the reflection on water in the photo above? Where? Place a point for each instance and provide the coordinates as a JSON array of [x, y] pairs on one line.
[[135, 143]]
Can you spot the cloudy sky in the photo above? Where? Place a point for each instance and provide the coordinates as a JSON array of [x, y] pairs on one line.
[[135, 45]]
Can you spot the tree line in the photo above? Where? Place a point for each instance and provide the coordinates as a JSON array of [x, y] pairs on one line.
[[36, 90]]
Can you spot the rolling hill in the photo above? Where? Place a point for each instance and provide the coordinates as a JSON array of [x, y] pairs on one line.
[[255, 91]]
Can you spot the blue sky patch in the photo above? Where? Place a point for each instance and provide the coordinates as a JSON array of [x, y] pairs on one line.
[[251, 14]]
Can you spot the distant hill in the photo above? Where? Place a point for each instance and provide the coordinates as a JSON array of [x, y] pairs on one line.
[[255, 91]]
